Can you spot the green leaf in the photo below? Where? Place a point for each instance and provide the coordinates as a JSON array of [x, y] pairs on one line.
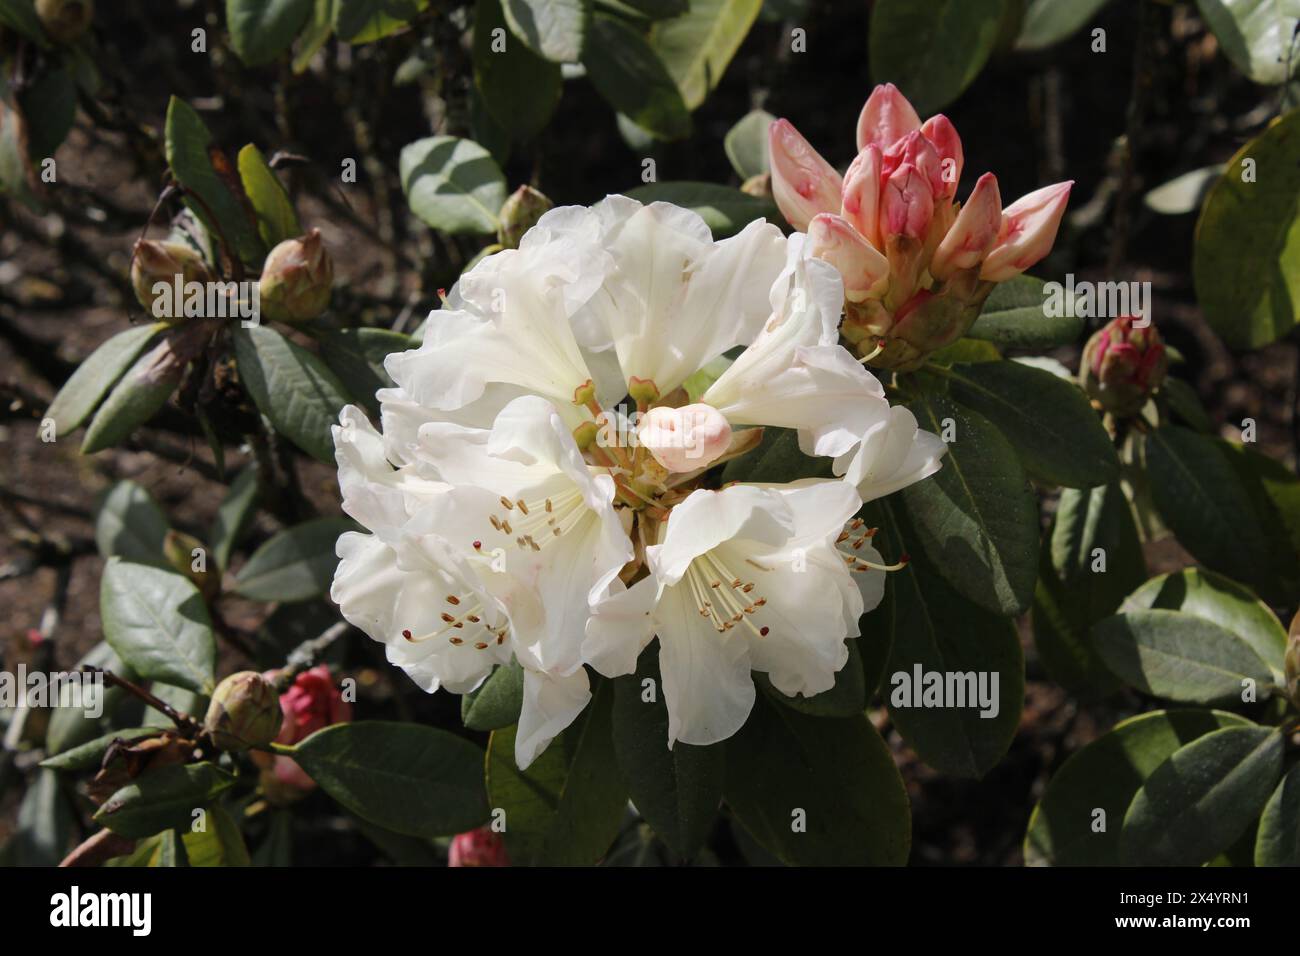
[[932, 49], [1274, 492], [777, 459], [291, 387], [1179, 656], [724, 209], [497, 701], [71, 726], [1048, 22], [1278, 841], [1061, 636], [846, 698], [128, 523], [1202, 498], [135, 399], [157, 621], [1221, 601], [163, 799], [294, 565], [677, 790], [277, 848], [276, 219], [976, 519], [1015, 316], [629, 75], [519, 88], [935, 630], [1258, 36], [555, 29], [260, 30], [1246, 259], [200, 166], [45, 824], [50, 105], [1196, 803], [1059, 437], [1064, 829], [357, 356], [565, 809], [87, 756], [1086, 520], [221, 844], [233, 515], [406, 777], [20, 16], [817, 791], [319, 28], [1185, 405], [96, 375], [364, 21], [452, 184], [746, 143], [697, 46]]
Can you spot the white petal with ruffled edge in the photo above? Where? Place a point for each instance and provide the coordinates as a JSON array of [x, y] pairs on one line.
[[894, 453]]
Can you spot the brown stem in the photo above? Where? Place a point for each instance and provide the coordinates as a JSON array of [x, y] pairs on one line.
[[98, 848]]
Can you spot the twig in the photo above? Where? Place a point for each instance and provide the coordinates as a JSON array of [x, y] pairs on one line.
[[184, 723]]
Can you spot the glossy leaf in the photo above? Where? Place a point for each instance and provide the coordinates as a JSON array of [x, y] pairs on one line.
[[134, 400], [296, 564], [452, 184], [1278, 841], [1258, 36], [260, 30], [497, 701], [162, 799], [1048, 22], [129, 524], [1015, 317], [629, 76], [697, 46], [519, 88], [555, 29]]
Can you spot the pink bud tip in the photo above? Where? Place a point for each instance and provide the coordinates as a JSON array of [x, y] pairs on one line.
[[685, 439], [886, 118], [803, 184]]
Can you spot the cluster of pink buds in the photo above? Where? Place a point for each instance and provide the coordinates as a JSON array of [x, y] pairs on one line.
[[917, 266]]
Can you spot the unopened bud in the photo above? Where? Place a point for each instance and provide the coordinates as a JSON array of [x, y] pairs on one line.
[[65, 20], [685, 439], [297, 279], [167, 262], [244, 712], [1122, 365], [520, 213]]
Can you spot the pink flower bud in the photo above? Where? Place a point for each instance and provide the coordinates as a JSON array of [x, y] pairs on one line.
[[860, 197], [943, 135], [1122, 365], [803, 184], [311, 703], [886, 118], [687, 438], [974, 233], [479, 847], [906, 204], [915, 150], [1028, 231], [862, 266]]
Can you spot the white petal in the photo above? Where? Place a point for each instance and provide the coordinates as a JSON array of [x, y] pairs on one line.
[[894, 454], [550, 704], [620, 627], [708, 518], [706, 680]]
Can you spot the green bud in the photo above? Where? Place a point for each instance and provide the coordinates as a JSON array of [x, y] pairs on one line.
[[1122, 365], [153, 262], [519, 214], [244, 712], [297, 279], [65, 20]]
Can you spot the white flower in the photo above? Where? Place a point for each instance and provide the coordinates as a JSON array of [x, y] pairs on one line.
[[747, 578], [894, 453]]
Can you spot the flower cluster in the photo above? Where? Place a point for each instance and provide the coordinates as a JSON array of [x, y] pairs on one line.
[[544, 490], [917, 267]]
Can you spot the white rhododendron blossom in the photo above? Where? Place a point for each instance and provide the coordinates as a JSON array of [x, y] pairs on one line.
[[543, 491]]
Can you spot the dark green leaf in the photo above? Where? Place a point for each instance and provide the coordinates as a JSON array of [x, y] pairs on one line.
[[936, 631], [932, 49], [452, 184], [200, 166], [1065, 830], [1015, 317], [697, 46], [87, 756], [1278, 840], [233, 515], [163, 799], [45, 824], [677, 791], [1059, 437], [1048, 22], [20, 16], [364, 21], [1186, 405], [71, 726], [407, 777], [633, 80], [565, 809], [296, 564], [50, 105], [143, 390], [497, 702], [157, 621], [726, 210], [356, 356], [519, 88], [1062, 637], [976, 520], [292, 387], [1097, 581], [260, 30], [1196, 803], [817, 791], [130, 524]]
